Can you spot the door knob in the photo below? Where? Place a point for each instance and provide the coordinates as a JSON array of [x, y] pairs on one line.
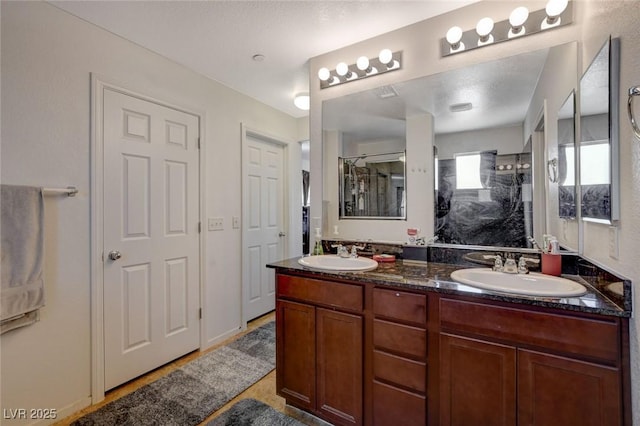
[[114, 255], [281, 234]]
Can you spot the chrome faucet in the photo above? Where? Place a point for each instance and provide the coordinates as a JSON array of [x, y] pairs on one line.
[[341, 250], [354, 250], [497, 265], [522, 265], [510, 266]]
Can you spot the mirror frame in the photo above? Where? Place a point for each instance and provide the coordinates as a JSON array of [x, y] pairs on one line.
[[613, 131]]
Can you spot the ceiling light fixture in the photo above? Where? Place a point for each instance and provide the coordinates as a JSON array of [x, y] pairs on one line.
[[521, 22], [364, 67], [302, 101]]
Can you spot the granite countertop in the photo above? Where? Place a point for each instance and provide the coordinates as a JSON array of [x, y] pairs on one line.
[[436, 277]]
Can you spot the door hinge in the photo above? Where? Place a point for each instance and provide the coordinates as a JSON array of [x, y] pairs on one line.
[[198, 143], [200, 313], [199, 227]]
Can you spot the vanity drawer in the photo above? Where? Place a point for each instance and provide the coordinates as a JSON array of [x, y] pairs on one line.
[[400, 339], [401, 371], [400, 305], [393, 406], [328, 293], [587, 337]]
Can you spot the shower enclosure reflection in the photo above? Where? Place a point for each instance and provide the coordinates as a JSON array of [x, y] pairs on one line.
[[484, 198], [372, 186]]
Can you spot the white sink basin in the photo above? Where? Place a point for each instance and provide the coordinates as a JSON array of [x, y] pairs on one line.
[[332, 262], [531, 284]]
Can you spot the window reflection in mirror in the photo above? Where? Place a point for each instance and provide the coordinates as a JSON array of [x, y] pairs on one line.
[[599, 135], [373, 186]]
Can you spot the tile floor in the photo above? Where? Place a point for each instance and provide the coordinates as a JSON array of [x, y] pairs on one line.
[[264, 390]]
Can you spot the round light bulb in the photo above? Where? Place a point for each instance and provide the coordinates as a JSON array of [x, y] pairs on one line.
[[324, 74], [454, 35], [302, 101], [556, 7], [519, 16], [342, 69], [484, 27], [362, 63], [385, 56]]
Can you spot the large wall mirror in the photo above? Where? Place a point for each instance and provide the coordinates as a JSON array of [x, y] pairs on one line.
[[488, 177], [599, 141]]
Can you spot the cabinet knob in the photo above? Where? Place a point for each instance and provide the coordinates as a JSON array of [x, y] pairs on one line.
[[397, 294]]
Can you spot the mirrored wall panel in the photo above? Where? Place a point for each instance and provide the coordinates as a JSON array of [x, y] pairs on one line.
[[566, 158], [599, 118]]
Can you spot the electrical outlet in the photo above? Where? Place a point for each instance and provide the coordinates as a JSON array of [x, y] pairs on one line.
[[235, 222], [613, 242], [215, 224]]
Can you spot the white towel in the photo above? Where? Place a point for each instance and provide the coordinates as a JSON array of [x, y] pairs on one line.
[[22, 255]]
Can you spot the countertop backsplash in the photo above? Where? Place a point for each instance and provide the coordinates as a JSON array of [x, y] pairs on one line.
[[611, 285]]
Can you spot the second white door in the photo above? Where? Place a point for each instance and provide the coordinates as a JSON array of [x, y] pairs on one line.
[[263, 219]]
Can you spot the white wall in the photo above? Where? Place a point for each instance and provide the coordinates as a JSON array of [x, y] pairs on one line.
[[47, 58], [594, 20], [507, 140]]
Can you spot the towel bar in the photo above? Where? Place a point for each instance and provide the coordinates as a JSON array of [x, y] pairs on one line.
[[633, 91], [71, 191]]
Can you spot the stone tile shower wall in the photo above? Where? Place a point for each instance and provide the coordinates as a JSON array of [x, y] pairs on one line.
[[499, 214]]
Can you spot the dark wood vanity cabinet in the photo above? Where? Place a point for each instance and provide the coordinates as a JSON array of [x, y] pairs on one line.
[[374, 355], [504, 366], [319, 347]]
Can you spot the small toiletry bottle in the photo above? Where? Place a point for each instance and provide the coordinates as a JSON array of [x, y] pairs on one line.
[[317, 249]]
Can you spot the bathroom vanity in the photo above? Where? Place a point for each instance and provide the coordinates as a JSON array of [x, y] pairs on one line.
[[405, 345]]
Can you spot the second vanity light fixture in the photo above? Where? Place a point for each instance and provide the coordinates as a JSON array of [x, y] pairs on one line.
[[364, 67], [521, 22]]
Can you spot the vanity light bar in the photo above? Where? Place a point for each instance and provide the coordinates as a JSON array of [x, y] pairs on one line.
[[364, 67], [521, 23]]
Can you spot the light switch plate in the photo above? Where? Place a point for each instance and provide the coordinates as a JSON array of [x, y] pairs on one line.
[[215, 224], [235, 222]]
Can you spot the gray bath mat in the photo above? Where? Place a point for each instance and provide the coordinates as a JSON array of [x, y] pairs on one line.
[[191, 393], [250, 412]]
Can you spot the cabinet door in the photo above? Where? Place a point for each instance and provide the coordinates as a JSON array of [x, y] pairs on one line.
[[477, 382], [562, 391], [339, 352], [295, 353]]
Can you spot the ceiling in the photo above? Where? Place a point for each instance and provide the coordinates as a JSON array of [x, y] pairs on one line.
[[218, 39]]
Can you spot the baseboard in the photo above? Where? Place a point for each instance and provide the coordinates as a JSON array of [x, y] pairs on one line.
[[221, 337], [64, 412]]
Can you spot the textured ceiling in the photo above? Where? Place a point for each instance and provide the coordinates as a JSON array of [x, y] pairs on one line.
[[219, 38]]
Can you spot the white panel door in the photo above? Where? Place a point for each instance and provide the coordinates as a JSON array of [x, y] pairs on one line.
[[263, 211], [151, 242]]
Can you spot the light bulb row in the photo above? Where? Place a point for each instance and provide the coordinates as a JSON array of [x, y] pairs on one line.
[[364, 67], [521, 22]]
